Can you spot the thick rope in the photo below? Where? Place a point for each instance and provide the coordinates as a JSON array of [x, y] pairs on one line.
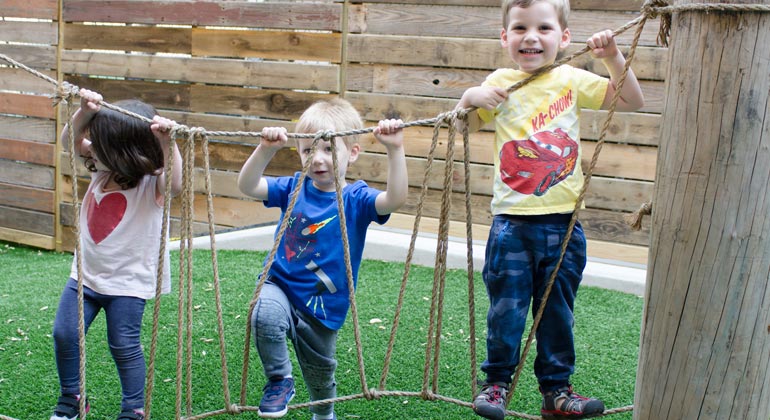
[[169, 167], [651, 9], [634, 220], [409, 256], [215, 267]]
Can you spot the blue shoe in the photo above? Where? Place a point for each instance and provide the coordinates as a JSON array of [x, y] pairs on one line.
[[277, 394]]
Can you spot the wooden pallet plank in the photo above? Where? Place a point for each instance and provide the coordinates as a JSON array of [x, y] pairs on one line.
[[27, 238], [27, 197], [17, 80], [277, 15], [204, 70], [268, 103], [31, 9], [26, 174], [27, 128], [38, 57], [478, 22], [270, 45], [26, 220], [159, 94], [148, 39], [486, 54], [28, 105], [29, 32], [27, 151]]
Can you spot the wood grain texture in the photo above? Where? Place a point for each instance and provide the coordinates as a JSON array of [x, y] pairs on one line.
[[706, 330]]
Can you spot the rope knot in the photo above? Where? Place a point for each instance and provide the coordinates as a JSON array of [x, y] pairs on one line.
[[233, 409], [65, 91], [373, 394], [635, 219], [650, 9], [326, 135], [180, 130]]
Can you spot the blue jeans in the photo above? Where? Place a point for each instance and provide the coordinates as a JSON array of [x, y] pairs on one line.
[[520, 257], [273, 320], [124, 322]]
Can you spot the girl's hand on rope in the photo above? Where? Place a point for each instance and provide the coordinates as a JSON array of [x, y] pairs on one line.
[[161, 127], [486, 97], [602, 45], [273, 138], [390, 133], [90, 102]]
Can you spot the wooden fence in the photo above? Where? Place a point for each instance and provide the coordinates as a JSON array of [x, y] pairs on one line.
[[240, 66]]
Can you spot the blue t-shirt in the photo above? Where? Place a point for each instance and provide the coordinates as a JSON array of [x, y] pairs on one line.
[[309, 265]]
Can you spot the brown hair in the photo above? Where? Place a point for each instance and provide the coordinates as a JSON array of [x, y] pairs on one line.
[[561, 6], [125, 144]]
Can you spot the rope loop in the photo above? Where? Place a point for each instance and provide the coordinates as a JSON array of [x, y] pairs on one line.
[[326, 135], [650, 9], [65, 92], [373, 394], [234, 409]]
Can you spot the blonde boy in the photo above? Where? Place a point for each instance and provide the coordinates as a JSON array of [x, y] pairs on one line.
[[538, 179], [305, 296]]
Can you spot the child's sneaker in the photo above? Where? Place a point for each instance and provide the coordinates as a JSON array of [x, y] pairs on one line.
[[68, 408], [490, 403], [131, 415], [563, 403], [277, 394]]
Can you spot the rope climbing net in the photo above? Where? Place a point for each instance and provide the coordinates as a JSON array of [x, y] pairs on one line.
[[66, 94]]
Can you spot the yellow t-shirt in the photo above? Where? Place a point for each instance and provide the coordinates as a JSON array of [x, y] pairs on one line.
[[537, 139]]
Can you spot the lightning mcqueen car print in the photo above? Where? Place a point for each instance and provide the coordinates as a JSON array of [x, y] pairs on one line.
[[534, 165]]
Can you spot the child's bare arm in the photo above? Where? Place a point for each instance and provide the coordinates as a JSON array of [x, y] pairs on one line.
[[90, 104], [603, 47], [486, 97], [391, 134], [250, 180], [161, 127]]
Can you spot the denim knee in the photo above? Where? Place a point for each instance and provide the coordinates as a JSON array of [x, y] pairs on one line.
[[270, 320]]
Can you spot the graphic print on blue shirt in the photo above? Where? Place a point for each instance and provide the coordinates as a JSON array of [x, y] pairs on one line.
[[301, 244]]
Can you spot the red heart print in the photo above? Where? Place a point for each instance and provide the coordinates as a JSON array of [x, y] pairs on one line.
[[104, 217]]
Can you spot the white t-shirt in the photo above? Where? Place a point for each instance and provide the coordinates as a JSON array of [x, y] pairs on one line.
[[120, 239]]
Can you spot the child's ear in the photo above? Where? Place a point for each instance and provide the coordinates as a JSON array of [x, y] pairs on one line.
[[504, 38], [566, 37], [355, 148]]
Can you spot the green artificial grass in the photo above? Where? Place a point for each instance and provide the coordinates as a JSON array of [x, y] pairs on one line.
[[607, 326]]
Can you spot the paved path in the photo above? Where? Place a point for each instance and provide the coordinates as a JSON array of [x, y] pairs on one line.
[[392, 245]]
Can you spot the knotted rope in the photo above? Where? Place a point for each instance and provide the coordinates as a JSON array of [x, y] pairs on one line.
[[65, 92]]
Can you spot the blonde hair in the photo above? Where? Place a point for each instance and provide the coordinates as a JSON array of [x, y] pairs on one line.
[[336, 114], [561, 6]]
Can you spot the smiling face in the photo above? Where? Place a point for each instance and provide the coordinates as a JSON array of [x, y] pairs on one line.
[[321, 170], [534, 36]]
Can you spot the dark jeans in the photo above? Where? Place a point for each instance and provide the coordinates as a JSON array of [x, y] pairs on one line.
[[124, 322], [520, 257]]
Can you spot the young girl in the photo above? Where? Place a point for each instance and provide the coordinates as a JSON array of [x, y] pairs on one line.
[[120, 226]]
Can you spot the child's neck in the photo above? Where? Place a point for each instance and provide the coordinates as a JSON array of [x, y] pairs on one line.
[[110, 184]]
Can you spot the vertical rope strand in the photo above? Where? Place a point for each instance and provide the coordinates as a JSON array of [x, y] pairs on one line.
[[409, 256], [469, 255], [169, 168], [215, 267], [348, 268]]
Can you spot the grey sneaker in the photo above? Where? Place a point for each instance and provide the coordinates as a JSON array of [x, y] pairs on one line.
[[490, 403], [565, 404]]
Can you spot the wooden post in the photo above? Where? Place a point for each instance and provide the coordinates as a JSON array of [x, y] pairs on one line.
[[705, 345]]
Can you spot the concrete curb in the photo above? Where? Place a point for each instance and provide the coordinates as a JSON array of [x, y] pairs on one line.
[[392, 245]]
